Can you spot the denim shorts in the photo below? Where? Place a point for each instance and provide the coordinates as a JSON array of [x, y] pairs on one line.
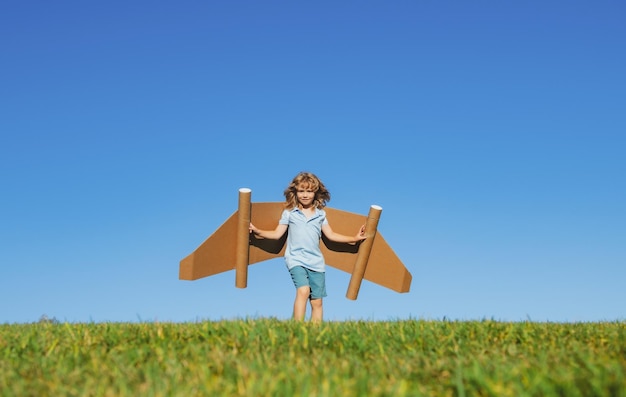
[[303, 277]]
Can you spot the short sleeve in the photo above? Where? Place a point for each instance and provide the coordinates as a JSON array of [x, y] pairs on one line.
[[284, 218]]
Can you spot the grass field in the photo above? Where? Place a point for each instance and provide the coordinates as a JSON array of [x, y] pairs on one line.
[[269, 357]]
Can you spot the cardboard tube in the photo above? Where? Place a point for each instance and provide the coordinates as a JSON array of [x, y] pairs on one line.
[[243, 239], [364, 252]]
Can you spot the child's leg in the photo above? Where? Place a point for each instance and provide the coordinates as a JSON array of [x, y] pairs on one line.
[[317, 280], [317, 310], [299, 305]]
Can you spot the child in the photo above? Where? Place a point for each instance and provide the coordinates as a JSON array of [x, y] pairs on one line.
[[305, 198]]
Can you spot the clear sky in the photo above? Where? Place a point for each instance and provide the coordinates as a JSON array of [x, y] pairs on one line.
[[492, 133]]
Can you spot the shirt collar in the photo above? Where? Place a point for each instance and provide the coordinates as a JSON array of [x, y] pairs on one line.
[[317, 212]]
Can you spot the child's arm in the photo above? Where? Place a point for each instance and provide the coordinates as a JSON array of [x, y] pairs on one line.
[[269, 234], [342, 238]]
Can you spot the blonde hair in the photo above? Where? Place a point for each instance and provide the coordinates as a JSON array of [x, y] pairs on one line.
[[322, 195]]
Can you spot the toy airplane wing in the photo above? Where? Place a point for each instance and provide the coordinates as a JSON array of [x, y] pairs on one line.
[[231, 246]]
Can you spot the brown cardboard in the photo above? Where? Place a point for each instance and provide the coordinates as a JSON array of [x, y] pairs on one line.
[[243, 240], [363, 254], [218, 252]]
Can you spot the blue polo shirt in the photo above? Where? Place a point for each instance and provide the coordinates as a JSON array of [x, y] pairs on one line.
[[303, 239]]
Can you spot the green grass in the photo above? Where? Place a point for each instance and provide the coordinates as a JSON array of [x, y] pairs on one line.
[[269, 357]]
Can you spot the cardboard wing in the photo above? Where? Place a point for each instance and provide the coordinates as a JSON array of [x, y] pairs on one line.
[[231, 246]]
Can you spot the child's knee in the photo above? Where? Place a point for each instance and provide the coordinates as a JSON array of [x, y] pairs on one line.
[[316, 303], [304, 292]]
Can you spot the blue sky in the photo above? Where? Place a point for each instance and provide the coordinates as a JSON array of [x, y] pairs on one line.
[[492, 133]]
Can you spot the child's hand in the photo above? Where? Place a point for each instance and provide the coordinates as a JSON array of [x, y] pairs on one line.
[[253, 229], [361, 234]]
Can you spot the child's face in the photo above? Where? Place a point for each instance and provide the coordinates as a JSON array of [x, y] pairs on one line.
[[305, 194]]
